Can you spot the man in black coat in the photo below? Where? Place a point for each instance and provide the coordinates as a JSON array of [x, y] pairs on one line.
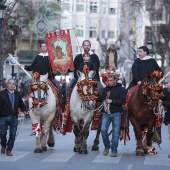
[[42, 65], [166, 104], [10, 102], [114, 96], [142, 66], [86, 45]]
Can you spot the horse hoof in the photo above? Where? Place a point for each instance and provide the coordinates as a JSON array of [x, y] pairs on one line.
[[85, 152], [140, 153], [80, 152], [44, 148], [38, 151], [51, 144], [95, 148], [76, 149]]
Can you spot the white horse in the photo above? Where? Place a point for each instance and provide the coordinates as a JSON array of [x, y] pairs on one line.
[[42, 103], [81, 112]]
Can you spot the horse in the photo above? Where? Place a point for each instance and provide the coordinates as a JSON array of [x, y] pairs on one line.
[[42, 103], [82, 103], [142, 110]]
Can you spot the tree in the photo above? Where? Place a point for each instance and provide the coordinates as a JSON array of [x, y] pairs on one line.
[[18, 15]]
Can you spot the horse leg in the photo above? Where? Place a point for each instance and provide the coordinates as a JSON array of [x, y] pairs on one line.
[[95, 146], [149, 148], [36, 120], [38, 148], [46, 130], [138, 135], [51, 141], [85, 134], [76, 132]]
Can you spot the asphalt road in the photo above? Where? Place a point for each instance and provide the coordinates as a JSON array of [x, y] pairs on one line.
[[62, 157]]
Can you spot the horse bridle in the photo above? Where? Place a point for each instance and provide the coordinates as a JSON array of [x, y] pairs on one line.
[[152, 101], [38, 86]]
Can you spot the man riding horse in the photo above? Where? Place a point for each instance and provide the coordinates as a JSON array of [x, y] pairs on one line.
[[142, 66], [41, 65], [86, 45]]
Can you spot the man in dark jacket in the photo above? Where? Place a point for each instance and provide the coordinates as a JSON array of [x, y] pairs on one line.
[[114, 96], [86, 45], [42, 65], [10, 102], [142, 66]]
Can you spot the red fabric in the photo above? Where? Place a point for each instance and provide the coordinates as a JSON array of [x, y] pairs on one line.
[[67, 123], [97, 117], [130, 91], [60, 51]]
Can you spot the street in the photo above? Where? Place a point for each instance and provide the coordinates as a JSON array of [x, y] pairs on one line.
[[62, 157]]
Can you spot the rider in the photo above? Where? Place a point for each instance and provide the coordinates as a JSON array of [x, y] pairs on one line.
[[142, 66], [87, 61], [80, 59], [41, 65]]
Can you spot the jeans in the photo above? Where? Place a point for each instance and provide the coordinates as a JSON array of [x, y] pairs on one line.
[[115, 119], [12, 123]]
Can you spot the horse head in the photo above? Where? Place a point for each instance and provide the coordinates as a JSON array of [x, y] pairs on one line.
[[87, 88], [38, 90], [152, 89]]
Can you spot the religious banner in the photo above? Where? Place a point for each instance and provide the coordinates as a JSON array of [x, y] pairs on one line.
[[60, 51]]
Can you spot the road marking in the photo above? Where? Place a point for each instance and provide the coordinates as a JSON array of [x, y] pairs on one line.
[[107, 159], [129, 166], [16, 156], [59, 156], [159, 159]]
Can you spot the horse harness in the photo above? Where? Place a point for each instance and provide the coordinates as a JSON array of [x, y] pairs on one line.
[[156, 90], [39, 86]]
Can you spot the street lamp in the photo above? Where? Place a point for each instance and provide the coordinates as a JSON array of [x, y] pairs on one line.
[[2, 12]]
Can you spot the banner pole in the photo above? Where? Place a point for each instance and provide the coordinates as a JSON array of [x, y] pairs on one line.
[[20, 65]]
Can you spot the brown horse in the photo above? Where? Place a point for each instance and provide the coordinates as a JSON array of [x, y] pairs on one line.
[[142, 106]]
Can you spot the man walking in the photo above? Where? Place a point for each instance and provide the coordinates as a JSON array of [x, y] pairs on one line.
[[114, 96], [10, 102]]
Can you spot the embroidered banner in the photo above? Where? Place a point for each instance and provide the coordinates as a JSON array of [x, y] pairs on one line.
[[60, 51]]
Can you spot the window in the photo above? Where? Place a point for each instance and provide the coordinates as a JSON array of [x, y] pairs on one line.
[[157, 15], [79, 7], [93, 9], [103, 34], [112, 11], [111, 34], [93, 33]]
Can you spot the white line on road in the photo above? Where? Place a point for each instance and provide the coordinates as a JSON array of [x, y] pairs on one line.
[[159, 159], [16, 156], [107, 159], [130, 166], [59, 156]]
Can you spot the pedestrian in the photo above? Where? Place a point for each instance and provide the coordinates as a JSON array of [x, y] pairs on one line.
[[10, 102], [42, 65], [86, 45], [166, 104], [142, 66], [114, 95]]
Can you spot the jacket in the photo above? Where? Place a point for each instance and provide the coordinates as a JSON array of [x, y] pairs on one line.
[[117, 95], [6, 106]]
